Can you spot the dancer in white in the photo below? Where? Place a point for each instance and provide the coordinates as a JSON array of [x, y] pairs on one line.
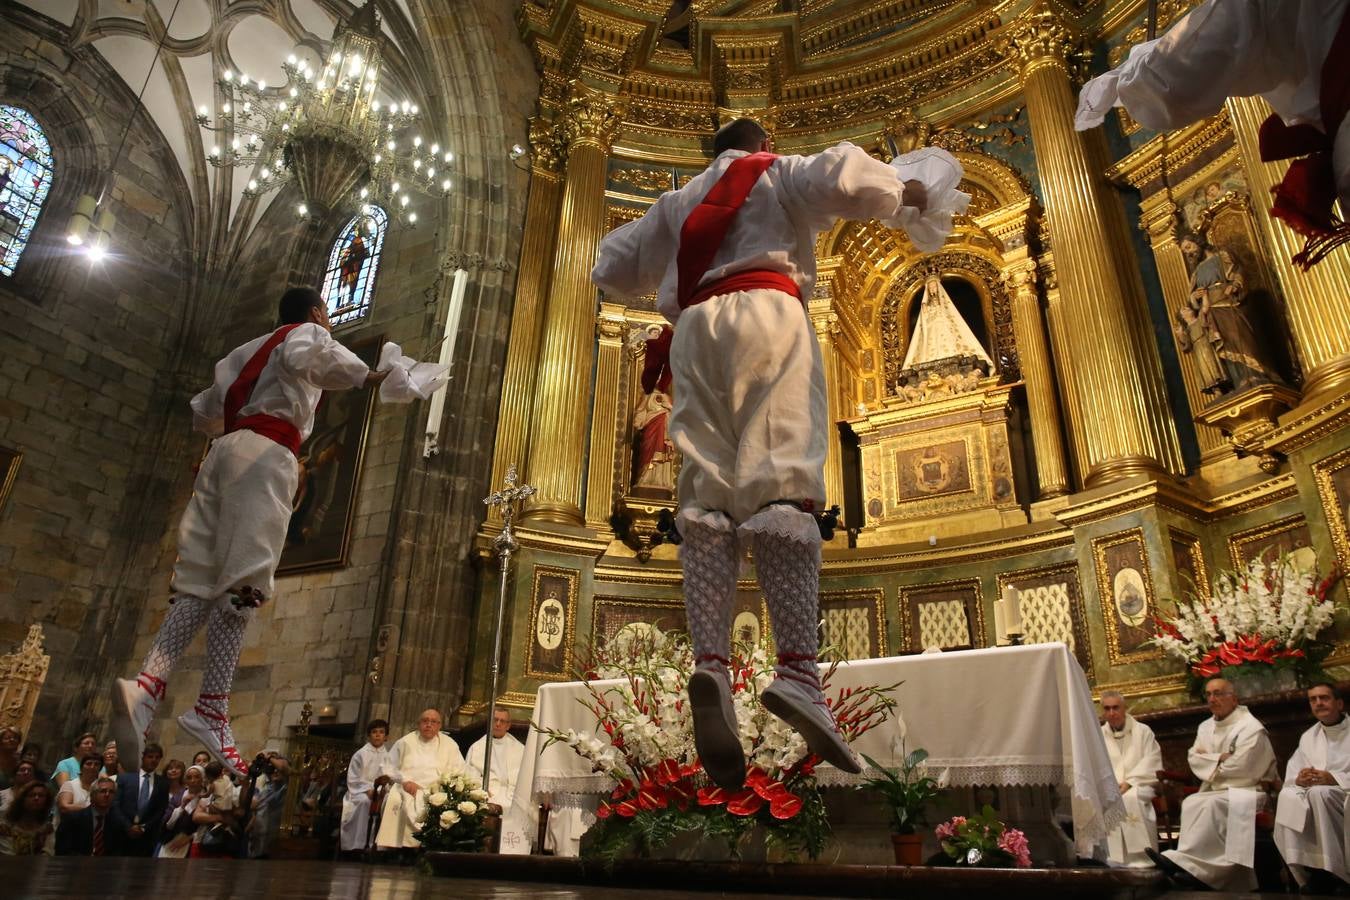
[[731, 257], [1136, 759], [419, 759], [1231, 756], [1310, 816], [371, 766], [507, 753]]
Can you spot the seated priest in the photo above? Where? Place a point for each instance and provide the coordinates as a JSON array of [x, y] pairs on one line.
[[1136, 759], [419, 758], [370, 767], [1231, 756], [507, 753], [1310, 817]]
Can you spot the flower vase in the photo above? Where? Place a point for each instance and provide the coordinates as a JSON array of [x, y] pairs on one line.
[[908, 849], [1253, 680]]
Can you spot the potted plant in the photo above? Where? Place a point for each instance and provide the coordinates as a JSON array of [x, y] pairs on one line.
[[982, 840], [906, 791]]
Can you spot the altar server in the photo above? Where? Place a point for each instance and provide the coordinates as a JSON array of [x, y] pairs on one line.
[[370, 767], [1231, 756], [419, 757], [259, 411], [1295, 54], [1310, 816], [1136, 759], [507, 753], [731, 258]]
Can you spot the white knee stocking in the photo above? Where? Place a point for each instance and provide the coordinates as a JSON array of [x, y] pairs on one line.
[[224, 641], [186, 617], [787, 560], [710, 559]]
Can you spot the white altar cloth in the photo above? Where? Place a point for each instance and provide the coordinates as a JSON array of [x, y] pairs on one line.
[[1001, 716]]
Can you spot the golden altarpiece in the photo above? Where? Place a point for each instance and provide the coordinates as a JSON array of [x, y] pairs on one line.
[[1107, 454]]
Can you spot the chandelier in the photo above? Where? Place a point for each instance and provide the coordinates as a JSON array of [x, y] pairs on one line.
[[327, 131]]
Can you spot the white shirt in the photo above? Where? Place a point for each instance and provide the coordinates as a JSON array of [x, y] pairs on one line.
[[307, 363], [368, 764], [507, 753]]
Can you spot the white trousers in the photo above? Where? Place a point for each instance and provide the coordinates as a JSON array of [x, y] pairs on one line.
[[750, 416], [1321, 842], [1203, 843], [1125, 845], [401, 817], [234, 528]]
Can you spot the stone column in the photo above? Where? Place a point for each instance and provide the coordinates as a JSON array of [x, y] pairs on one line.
[[1120, 413], [1052, 474], [826, 322], [563, 375], [606, 429], [532, 282], [1318, 301]]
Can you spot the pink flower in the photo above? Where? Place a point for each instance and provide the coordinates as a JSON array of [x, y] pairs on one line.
[[947, 830], [1014, 843]]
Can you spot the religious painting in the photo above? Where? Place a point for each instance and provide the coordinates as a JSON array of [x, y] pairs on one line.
[[925, 472], [1051, 605], [1188, 561], [750, 619], [653, 466], [320, 531], [1333, 486], [1284, 537], [552, 628], [1125, 589], [614, 614], [855, 622], [947, 615], [9, 471]]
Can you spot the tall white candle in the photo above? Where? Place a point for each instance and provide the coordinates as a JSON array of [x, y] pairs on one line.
[[1000, 626], [431, 444], [1012, 612]]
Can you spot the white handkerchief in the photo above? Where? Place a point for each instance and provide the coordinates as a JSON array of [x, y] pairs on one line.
[[408, 379], [940, 173]]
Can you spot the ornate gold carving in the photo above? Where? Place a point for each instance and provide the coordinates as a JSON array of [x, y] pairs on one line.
[[1334, 492], [22, 674], [1248, 418], [643, 179], [548, 145], [1108, 594], [1241, 542], [1041, 37], [544, 622], [593, 117], [1168, 11]]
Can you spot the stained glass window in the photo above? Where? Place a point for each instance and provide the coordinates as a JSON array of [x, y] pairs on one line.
[[349, 281], [25, 178]]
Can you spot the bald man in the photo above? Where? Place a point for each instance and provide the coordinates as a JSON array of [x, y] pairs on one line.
[[419, 758], [1231, 756]]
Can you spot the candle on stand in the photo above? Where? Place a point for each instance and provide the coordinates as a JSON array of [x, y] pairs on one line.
[[431, 439], [1000, 626], [1012, 609]]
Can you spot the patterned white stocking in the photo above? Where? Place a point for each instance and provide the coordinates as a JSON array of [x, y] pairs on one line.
[[186, 617], [224, 641], [709, 556], [787, 560]]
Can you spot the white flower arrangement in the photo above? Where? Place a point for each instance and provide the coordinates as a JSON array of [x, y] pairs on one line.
[[455, 812]]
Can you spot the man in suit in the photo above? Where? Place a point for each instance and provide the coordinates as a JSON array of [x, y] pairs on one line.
[[138, 810], [90, 831]]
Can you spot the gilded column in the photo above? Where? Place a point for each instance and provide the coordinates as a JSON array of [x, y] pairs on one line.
[[563, 379], [826, 323], [532, 281], [1318, 301], [1052, 473], [1124, 425], [605, 415]]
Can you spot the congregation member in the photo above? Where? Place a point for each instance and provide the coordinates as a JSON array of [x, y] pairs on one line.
[[200, 759], [10, 741], [174, 772], [74, 794], [69, 767], [1135, 759], [371, 767], [91, 831], [268, 805], [1310, 814], [419, 757], [507, 753], [25, 774], [179, 829], [112, 763], [26, 827], [731, 257], [1231, 756], [141, 804], [32, 753]]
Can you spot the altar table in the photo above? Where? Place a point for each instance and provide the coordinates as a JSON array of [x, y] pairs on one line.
[[1002, 716]]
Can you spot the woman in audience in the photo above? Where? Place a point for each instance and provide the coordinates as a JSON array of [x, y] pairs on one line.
[[10, 739], [174, 770], [112, 766], [178, 827], [24, 774], [26, 827], [69, 767], [74, 794], [201, 758], [32, 753]]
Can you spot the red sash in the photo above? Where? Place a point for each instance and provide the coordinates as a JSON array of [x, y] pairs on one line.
[[238, 394], [1303, 200]]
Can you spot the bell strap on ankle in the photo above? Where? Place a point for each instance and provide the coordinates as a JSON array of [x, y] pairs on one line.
[[221, 726], [785, 661], [151, 685]]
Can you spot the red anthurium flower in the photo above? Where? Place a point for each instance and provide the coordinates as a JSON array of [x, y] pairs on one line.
[[625, 787], [652, 796], [627, 809], [712, 796], [746, 803], [605, 811], [1230, 655], [668, 772], [785, 806]]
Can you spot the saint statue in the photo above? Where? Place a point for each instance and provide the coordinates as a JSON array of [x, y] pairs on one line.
[[1218, 295], [653, 450], [1198, 337]]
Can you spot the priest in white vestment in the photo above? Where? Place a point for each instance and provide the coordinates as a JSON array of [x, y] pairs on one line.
[[371, 765], [419, 758], [1231, 756], [1136, 759], [1310, 817], [507, 752]]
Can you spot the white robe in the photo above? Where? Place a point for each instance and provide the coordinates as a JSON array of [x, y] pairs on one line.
[[1228, 48], [1310, 822], [1218, 823], [421, 762], [507, 753], [368, 764], [234, 528], [1136, 759]]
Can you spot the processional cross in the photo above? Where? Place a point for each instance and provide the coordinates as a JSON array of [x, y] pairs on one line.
[[506, 501]]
